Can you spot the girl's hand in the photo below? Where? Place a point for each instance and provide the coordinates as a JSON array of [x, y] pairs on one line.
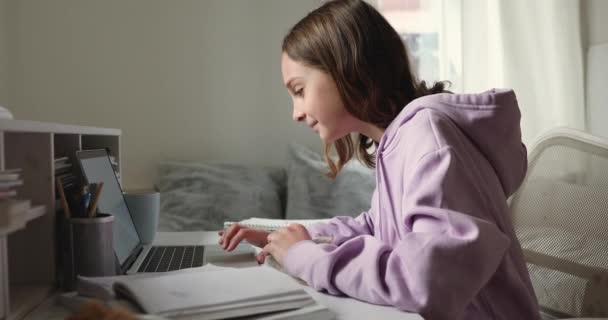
[[281, 240], [230, 238]]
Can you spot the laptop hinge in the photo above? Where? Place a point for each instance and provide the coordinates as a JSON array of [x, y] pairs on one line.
[[131, 259]]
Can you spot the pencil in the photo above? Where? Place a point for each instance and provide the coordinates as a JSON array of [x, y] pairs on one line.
[[93, 208], [64, 201]]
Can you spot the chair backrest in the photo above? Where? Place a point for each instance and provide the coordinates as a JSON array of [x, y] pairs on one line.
[[561, 219]]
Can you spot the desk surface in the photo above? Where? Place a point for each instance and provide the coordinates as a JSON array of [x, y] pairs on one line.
[[345, 308]]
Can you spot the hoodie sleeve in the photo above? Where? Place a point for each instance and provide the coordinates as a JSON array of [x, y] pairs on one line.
[[342, 228], [442, 260]]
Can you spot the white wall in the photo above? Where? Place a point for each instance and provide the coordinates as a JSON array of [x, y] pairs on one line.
[[185, 80], [3, 53], [595, 26], [477, 50], [595, 22]]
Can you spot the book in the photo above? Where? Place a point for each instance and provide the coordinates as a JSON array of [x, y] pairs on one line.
[[62, 167], [61, 159], [9, 176], [312, 312], [210, 294], [272, 224], [66, 177], [75, 303], [101, 287], [10, 185], [215, 295], [7, 194]]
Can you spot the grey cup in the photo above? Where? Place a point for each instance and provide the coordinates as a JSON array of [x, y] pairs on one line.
[[93, 245], [144, 206]]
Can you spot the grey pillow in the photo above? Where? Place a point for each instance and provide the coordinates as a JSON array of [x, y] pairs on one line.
[[312, 195], [203, 196]]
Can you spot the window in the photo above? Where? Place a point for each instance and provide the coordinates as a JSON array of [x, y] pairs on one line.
[[431, 30]]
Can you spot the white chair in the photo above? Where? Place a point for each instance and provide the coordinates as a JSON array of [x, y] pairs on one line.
[[560, 214]]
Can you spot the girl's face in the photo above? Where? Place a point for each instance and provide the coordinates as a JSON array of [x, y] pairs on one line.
[[316, 100]]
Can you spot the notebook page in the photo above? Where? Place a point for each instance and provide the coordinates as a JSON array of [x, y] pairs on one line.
[[207, 289], [102, 287], [273, 224], [245, 308]]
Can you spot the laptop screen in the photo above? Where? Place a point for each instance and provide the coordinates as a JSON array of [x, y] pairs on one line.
[[97, 168]]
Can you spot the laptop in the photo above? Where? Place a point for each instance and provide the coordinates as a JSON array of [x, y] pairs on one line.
[[184, 249]]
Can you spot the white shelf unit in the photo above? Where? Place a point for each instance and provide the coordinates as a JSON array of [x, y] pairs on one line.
[[28, 257]]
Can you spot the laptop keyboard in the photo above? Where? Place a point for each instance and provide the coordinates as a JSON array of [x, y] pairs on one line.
[[161, 259]]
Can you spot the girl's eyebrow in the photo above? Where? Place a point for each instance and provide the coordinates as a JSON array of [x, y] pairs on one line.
[[288, 84]]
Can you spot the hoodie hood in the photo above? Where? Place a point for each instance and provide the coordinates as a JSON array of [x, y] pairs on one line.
[[489, 119]]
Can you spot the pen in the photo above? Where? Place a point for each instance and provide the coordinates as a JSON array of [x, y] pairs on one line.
[[93, 208], [85, 200]]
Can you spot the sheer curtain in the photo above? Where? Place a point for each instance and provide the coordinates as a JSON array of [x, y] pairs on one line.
[[431, 30], [534, 47]]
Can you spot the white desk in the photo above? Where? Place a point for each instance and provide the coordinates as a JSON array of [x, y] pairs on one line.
[[345, 308]]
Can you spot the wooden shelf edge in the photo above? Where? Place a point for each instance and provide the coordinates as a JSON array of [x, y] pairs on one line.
[[25, 298], [28, 126], [33, 213]]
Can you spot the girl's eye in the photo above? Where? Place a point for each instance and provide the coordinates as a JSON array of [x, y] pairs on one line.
[[299, 92]]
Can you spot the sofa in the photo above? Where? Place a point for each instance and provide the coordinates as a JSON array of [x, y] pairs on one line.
[[201, 196]]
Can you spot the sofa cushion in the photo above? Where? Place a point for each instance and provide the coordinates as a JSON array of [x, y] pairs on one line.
[[197, 196], [312, 195]]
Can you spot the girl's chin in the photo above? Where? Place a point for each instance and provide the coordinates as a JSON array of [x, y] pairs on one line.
[[324, 138], [327, 139]]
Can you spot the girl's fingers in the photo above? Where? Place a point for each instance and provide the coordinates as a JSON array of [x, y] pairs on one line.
[[229, 234], [272, 236], [240, 235], [261, 257]]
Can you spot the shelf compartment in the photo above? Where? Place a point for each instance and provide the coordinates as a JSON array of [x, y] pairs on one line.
[[30, 247], [24, 298], [28, 263]]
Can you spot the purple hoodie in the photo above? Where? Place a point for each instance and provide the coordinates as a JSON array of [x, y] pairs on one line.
[[438, 239]]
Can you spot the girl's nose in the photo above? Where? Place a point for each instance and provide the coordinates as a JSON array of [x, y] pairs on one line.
[[298, 116]]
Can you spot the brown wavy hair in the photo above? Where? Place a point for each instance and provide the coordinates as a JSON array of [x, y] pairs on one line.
[[353, 43]]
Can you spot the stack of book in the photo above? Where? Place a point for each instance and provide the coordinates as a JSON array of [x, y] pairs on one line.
[[14, 213], [67, 184], [208, 293], [10, 180], [11, 209], [63, 171]]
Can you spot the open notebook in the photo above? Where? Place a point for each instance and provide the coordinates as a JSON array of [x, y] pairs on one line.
[[217, 293], [272, 224]]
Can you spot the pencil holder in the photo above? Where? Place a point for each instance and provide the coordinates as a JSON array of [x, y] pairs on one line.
[[65, 261], [87, 249]]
